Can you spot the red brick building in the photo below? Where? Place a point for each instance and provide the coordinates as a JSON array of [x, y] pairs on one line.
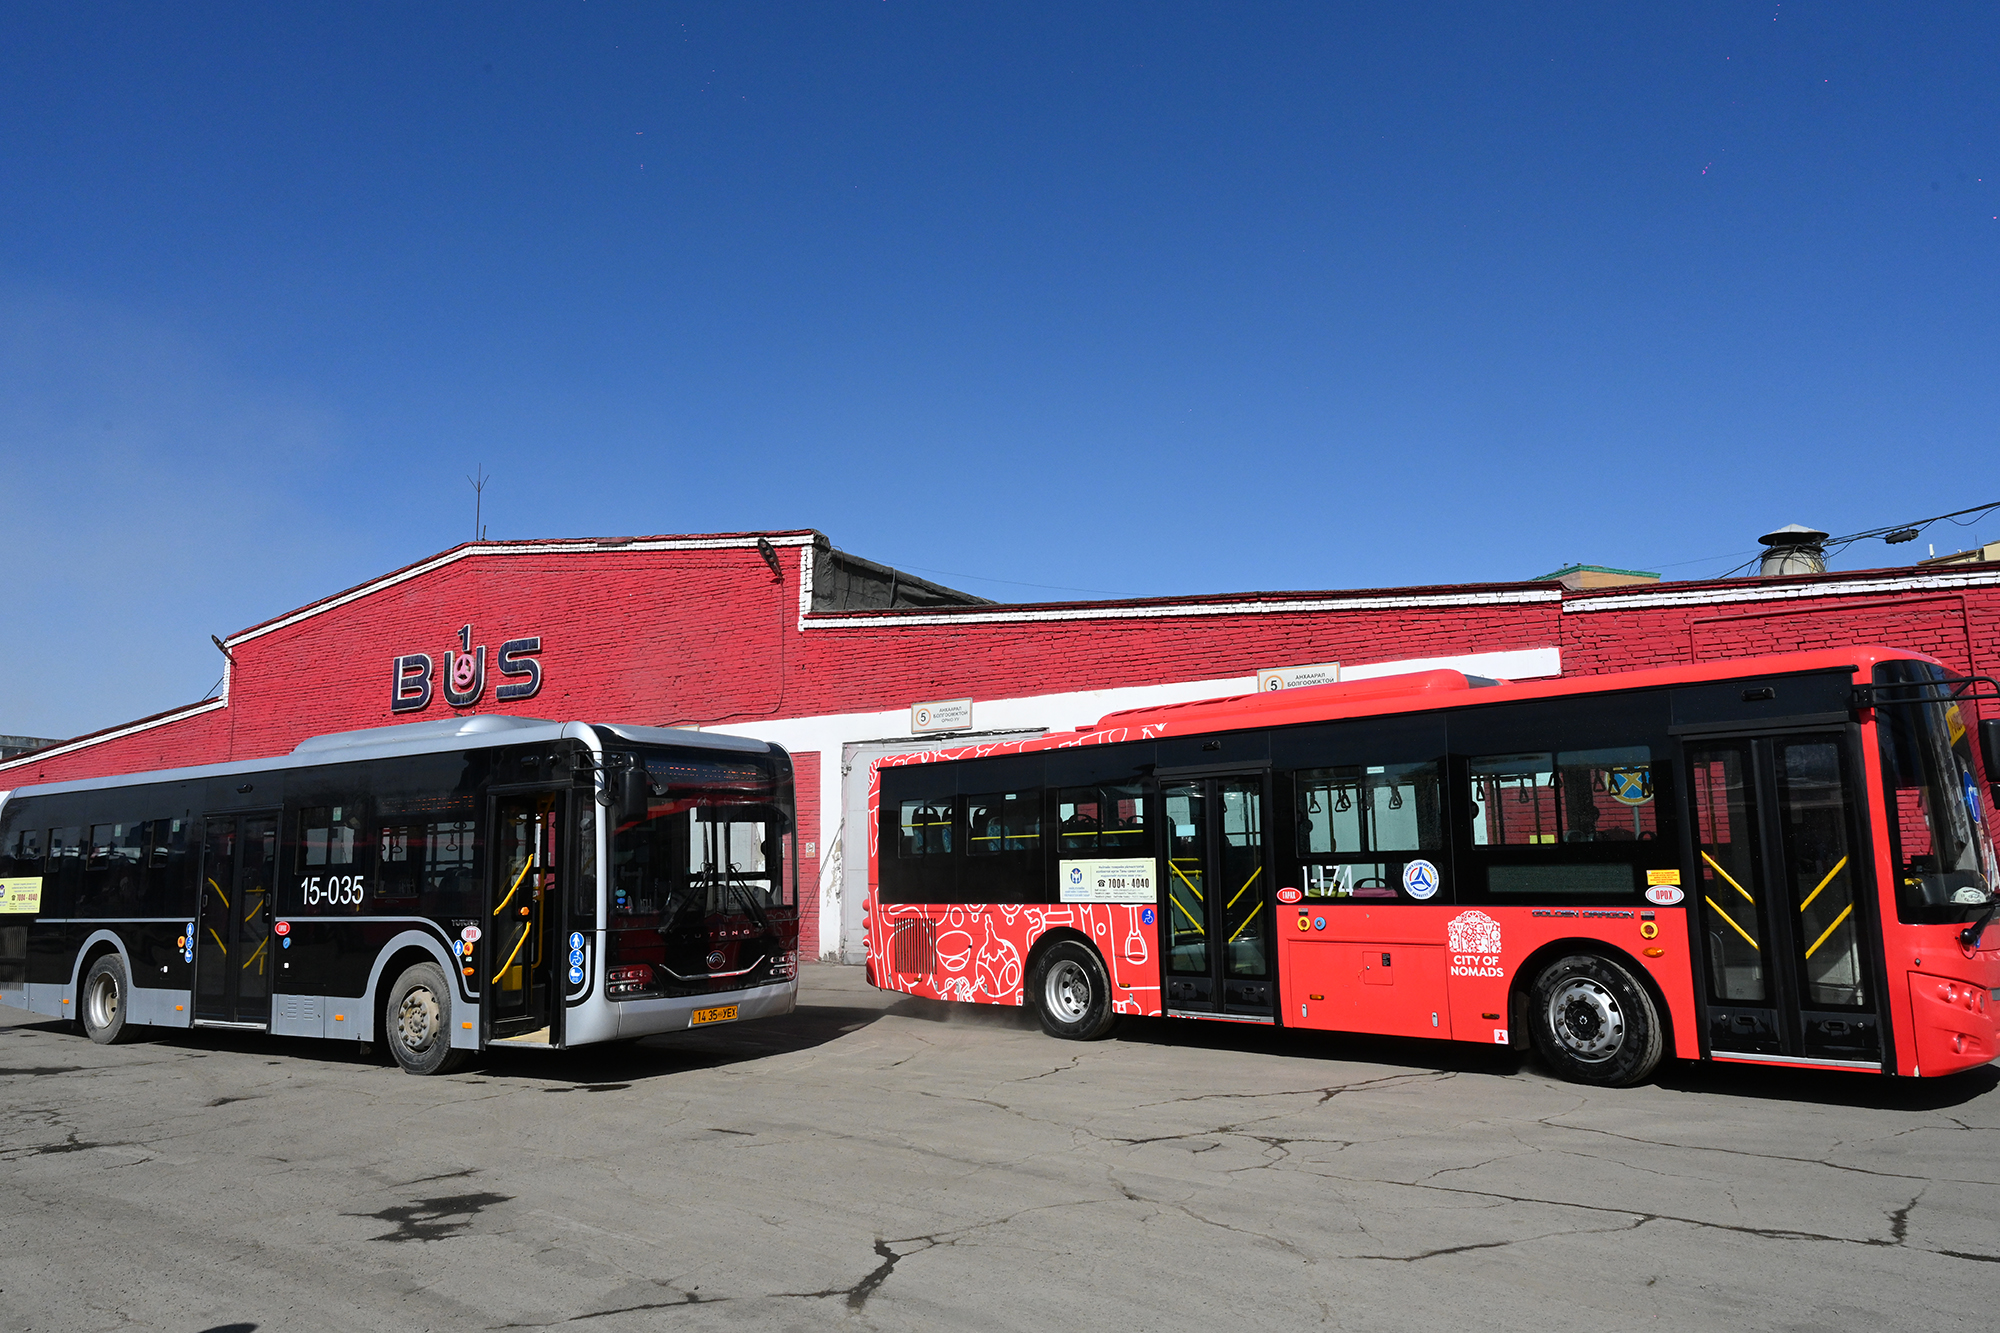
[[780, 636]]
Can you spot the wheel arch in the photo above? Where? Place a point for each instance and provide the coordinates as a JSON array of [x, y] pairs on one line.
[[1047, 940], [405, 950], [94, 947], [1531, 968]]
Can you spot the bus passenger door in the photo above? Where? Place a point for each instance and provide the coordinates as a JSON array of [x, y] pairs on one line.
[[233, 966], [1219, 959], [1781, 901], [524, 944]]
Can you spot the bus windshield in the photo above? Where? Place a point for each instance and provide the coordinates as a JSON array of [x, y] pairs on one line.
[[711, 839], [1941, 843]]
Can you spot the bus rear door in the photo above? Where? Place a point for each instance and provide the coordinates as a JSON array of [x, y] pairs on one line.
[[1783, 906], [1219, 960], [232, 944]]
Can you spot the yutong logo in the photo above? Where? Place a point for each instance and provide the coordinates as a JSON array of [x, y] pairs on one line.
[[465, 674]]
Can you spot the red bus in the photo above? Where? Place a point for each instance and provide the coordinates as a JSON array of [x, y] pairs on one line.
[[1783, 860]]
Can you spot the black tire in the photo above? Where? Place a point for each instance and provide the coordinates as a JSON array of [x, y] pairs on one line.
[[1594, 1023], [417, 1021], [1071, 992], [105, 1001]]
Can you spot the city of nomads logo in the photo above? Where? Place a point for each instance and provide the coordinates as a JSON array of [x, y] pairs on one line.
[[1474, 938]]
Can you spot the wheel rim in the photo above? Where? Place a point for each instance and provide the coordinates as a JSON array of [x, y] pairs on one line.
[[102, 1009], [1067, 991], [418, 1019], [1587, 1020]]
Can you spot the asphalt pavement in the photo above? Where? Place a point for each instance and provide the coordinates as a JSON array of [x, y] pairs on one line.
[[879, 1162]]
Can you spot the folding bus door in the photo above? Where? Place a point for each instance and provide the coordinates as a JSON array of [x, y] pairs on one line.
[[232, 944], [526, 949], [1219, 960], [1783, 901]]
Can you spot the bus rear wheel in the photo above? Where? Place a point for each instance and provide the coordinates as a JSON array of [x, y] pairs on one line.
[[419, 1022], [1594, 1023], [1071, 992], [106, 997]]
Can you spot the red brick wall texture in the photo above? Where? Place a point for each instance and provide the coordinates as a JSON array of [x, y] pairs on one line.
[[708, 635]]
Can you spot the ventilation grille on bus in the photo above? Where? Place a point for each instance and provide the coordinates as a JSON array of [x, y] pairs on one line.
[[913, 948]]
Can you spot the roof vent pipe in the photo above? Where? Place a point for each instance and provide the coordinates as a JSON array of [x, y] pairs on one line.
[[1792, 549]]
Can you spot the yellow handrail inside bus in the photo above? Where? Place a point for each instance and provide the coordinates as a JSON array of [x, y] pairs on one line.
[[1246, 923], [218, 941], [1246, 887], [526, 866], [1732, 924], [1181, 875], [1844, 912], [525, 930], [1732, 883], [219, 893], [1822, 884], [1197, 925], [255, 956]]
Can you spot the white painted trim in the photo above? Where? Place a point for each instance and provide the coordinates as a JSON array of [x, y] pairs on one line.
[[178, 715], [1790, 592], [582, 546], [1176, 609]]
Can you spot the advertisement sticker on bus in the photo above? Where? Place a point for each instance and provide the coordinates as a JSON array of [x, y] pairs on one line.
[[1665, 895], [21, 895], [1103, 880], [1421, 880]]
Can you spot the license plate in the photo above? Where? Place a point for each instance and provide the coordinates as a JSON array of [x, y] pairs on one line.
[[722, 1015]]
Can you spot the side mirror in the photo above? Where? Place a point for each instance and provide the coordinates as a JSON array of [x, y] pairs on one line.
[[1989, 748], [633, 787]]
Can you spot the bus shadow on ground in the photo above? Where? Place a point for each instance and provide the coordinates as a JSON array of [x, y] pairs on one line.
[[1829, 1087], [596, 1068], [1350, 1047]]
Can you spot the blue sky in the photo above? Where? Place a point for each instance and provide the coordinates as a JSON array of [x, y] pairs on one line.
[[1141, 299]]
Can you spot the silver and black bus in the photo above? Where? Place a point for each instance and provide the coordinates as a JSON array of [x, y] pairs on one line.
[[441, 887]]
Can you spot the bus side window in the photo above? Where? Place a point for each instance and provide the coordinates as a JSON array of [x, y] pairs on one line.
[[330, 859], [172, 868], [926, 827], [62, 880], [1101, 821], [450, 884], [1079, 822], [1359, 824], [113, 867], [1003, 822], [22, 855]]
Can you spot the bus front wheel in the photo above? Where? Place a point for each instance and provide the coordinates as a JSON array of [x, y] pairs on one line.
[[1594, 1023], [419, 1021], [106, 996], [1071, 992]]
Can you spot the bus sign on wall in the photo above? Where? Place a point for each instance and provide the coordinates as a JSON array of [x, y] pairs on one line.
[[942, 715], [1292, 678], [462, 674]]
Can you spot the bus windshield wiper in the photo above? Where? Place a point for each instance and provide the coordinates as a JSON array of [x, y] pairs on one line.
[[1969, 937], [748, 899]]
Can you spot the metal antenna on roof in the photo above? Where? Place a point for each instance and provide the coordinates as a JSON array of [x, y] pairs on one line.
[[478, 499]]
